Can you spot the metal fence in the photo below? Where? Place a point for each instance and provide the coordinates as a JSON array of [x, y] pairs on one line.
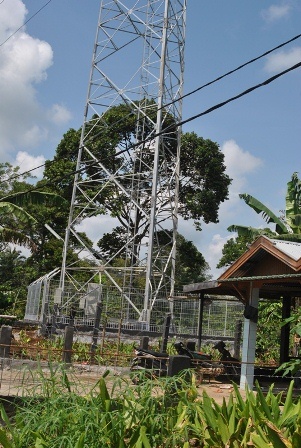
[[45, 305]]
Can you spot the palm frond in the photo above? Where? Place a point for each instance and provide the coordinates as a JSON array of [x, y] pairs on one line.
[[251, 232], [292, 199]]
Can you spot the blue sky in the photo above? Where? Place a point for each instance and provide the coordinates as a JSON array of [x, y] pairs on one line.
[[44, 70]]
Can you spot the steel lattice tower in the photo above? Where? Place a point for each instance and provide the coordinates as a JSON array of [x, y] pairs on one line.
[[137, 70]]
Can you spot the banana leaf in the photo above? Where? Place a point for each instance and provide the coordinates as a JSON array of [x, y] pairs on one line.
[[266, 213], [18, 212], [19, 238], [35, 198], [292, 200], [251, 232]]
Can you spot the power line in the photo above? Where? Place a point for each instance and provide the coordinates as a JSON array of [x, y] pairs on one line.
[[219, 105], [184, 96], [234, 70], [28, 20], [211, 109], [175, 125]]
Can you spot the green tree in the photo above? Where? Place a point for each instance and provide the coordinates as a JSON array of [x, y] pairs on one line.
[[233, 249], [191, 266], [203, 181], [15, 276], [23, 215]]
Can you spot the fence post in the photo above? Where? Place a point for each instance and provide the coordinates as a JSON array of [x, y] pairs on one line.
[[5, 341], [200, 322], [166, 328], [144, 341], [177, 363], [53, 319], [96, 326], [68, 341]]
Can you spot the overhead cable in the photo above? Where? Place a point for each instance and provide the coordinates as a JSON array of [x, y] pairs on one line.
[[219, 105], [181, 123], [211, 109], [20, 27], [233, 71]]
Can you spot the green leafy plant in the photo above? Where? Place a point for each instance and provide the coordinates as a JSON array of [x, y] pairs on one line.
[[168, 412]]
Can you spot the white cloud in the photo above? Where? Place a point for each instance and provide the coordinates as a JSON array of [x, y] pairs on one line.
[[12, 17], [96, 226], [27, 162], [24, 63], [240, 164], [276, 12], [215, 248], [283, 60], [59, 114]]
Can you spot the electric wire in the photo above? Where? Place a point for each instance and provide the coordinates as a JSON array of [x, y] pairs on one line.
[[173, 126], [28, 20], [233, 71], [182, 97], [245, 92]]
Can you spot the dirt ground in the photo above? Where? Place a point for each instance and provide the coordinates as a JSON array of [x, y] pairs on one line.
[[22, 378], [217, 391]]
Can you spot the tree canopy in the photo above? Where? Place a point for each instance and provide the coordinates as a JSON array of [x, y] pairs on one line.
[[203, 187], [113, 139], [203, 180]]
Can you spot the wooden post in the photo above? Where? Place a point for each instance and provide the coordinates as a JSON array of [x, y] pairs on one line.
[[5, 341], [68, 342], [177, 363], [237, 339], [119, 336], [103, 336], [96, 326], [144, 341], [285, 330], [53, 319], [166, 328]]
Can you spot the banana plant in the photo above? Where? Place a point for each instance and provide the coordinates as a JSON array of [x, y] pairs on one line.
[[13, 205], [287, 227]]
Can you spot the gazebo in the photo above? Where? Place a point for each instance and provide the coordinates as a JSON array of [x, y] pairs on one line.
[[270, 269]]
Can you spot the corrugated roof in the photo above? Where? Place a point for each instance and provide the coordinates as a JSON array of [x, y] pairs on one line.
[[289, 248], [283, 275]]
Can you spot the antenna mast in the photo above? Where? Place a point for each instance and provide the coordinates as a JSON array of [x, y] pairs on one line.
[[127, 175]]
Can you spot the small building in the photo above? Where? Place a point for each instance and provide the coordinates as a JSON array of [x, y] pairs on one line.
[[269, 269]]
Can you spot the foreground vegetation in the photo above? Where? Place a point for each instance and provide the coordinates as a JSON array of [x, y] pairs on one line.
[[167, 413]]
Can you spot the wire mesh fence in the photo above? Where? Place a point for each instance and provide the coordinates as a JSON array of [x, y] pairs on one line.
[[47, 305], [30, 368]]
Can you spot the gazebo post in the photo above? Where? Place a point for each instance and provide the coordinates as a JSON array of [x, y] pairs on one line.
[[249, 344], [285, 330]]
